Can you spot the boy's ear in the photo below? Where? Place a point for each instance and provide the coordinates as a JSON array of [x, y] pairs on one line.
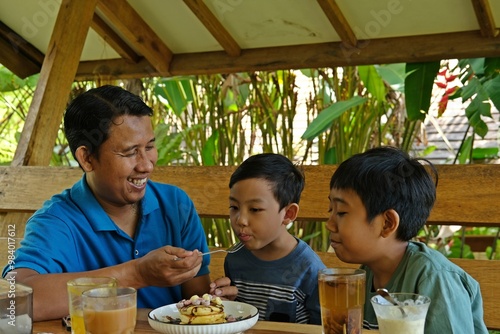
[[292, 210], [84, 158], [391, 222]]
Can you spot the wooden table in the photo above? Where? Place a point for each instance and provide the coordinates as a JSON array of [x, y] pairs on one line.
[[143, 327]]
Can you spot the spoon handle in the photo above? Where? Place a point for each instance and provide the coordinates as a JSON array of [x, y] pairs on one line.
[[387, 296]]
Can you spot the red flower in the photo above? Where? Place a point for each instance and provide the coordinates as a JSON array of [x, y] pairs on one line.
[[451, 90], [450, 78], [442, 104]]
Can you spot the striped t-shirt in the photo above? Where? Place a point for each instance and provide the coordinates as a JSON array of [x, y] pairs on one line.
[[284, 290]]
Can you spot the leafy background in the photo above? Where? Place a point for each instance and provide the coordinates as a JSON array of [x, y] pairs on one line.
[[222, 119]]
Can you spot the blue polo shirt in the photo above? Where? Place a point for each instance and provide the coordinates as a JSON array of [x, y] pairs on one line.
[[72, 233]]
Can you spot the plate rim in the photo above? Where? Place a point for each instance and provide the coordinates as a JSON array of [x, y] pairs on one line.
[[252, 315]]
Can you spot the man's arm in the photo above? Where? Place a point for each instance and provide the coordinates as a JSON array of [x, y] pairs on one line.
[[157, 268]]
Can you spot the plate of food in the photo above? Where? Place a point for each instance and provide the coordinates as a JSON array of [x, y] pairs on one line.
[[203, 315]]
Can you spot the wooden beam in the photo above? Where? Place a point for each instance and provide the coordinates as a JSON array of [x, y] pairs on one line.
[[16, 61], [53, 88], [213, 25], [339, 22], [113, 39], [115, 69], [126, 20], [408, 49], [466, 194], [22, 58], [485, 18]]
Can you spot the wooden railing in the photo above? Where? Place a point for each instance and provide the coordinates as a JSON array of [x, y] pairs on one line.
[[467, 195]]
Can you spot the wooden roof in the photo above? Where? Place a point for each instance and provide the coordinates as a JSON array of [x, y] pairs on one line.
[[140, 38], [68, 40]]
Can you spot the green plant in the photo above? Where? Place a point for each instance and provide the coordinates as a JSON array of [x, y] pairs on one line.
[[220, 120], [15, 99], [478, 86], [357, 109]]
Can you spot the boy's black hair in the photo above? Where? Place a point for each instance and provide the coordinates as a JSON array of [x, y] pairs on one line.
[[388, 178], [287, 179], [88, 118]]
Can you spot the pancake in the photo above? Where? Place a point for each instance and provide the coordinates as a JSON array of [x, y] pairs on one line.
[[203, 310]]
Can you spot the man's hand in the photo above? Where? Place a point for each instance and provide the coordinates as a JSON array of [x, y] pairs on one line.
[[168, 266]]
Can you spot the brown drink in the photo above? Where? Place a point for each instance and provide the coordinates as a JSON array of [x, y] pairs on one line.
[[75, 288], [120, 321], [342, 298], [110, 310]]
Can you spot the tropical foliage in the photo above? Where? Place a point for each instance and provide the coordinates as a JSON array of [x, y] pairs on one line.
[[222, 119], [475, 82]]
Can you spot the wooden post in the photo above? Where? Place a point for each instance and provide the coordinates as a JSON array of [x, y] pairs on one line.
[[56, 77]]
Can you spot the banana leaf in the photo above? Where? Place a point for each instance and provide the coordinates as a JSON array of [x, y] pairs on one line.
[[418, 88], [325, 118]]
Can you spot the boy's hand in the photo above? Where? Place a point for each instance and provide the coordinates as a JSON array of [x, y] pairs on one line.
[[222, 287]]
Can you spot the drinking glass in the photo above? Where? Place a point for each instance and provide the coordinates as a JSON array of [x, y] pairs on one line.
[[110, 310], [16, 307], [407, 317], [75, 289], [342, 299]]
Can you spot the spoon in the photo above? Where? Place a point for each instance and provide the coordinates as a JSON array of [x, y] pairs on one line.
[[232, 249], [384, 293]]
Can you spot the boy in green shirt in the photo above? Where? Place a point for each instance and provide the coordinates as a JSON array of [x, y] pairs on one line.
[[379, 200]]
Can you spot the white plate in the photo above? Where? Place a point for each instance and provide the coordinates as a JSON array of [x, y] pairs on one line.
[[249, 313]]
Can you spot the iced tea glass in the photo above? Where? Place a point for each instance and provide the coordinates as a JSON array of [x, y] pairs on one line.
[[342, 299], [75, 289], [110, 310]]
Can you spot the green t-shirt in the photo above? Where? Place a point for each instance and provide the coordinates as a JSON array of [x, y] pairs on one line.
[[456, 302]]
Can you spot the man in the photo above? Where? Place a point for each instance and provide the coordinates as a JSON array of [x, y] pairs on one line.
[[114, 221]]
